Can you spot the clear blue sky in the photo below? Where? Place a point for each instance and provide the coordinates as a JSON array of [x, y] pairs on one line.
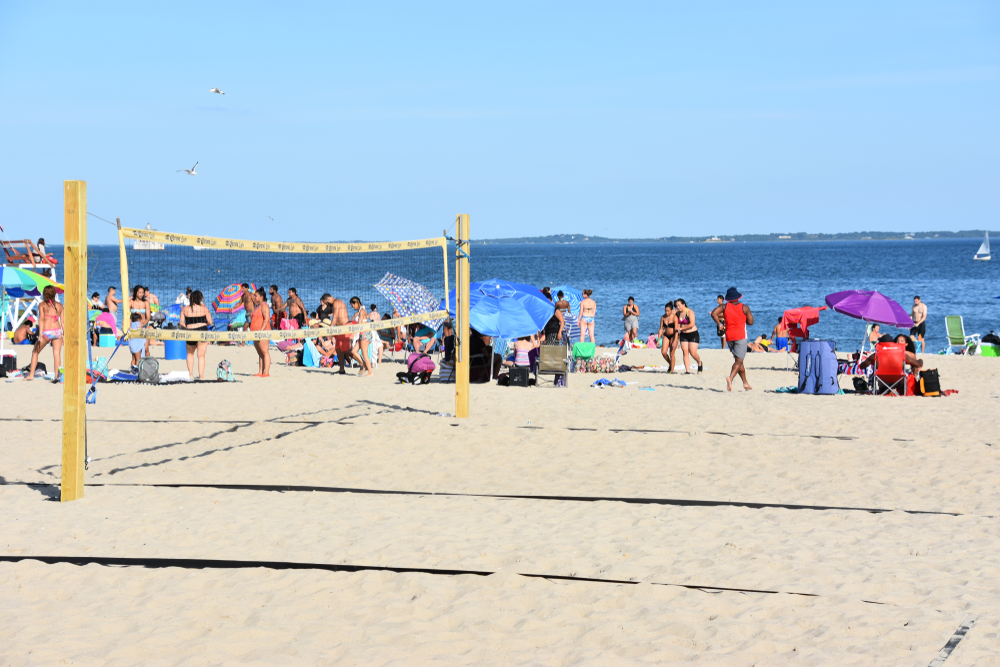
[[383, 120]]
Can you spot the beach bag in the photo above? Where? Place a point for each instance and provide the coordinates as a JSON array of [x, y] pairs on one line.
[[584, 350], [149, 371], [519, 376], [447, 373], [224, 373], [818, 367], [930, 383]]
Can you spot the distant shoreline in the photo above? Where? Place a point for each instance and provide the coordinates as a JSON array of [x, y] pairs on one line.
[[577, 239]]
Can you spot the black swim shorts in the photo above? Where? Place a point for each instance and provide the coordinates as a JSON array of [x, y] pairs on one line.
[[689, 337], [919, 329]]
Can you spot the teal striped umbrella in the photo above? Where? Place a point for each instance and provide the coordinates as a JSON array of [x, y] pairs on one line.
[[19, 283]]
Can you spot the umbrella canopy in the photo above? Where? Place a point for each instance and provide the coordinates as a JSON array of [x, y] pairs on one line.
[[571, 294], [20, 283], [408, 297], [870, 306], [798, 320], [505, 309], [230, 299]]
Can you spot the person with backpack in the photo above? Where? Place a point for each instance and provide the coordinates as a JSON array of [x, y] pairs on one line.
[[735, 317]]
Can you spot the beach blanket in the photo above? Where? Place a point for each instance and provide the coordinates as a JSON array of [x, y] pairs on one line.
[[602, 364]]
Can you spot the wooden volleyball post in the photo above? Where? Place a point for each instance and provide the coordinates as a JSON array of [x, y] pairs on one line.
[[75, 337], [462, 315]]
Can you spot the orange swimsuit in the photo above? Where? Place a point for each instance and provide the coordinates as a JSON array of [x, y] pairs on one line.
[[257, 320]]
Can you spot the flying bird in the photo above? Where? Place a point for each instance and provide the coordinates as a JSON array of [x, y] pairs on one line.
[[216, 90], [270, 218], [191, 171]]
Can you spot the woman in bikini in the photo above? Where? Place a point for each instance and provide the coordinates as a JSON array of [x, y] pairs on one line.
[[139, 304], [668, 334], [588, 311], [50, 330], [360, 349], [688, 334], [260, 320], [196, 317]]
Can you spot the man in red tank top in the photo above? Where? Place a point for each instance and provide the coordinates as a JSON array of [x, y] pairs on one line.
[[735, 317]]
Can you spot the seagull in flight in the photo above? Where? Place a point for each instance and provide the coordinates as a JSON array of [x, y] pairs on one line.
[[191, 171], [270, 218], [216, 90]]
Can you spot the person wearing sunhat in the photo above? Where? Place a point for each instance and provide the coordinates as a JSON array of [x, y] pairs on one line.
[[734, 317]]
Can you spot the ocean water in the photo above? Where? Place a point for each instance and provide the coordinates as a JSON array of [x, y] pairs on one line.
[[772, 277]]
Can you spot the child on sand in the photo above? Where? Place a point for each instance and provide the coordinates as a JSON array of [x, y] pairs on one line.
[[136, 345]]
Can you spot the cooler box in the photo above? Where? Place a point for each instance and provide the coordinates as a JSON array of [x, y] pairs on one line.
[[106, 340], [818, 367], [990, 350], [175, 349]]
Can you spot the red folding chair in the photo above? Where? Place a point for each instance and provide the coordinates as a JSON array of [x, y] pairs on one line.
[[890, 377]]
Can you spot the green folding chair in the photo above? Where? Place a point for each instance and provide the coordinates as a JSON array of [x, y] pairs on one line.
[[957, 338]]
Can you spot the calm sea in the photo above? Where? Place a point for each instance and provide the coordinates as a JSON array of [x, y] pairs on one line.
[[772, 277]]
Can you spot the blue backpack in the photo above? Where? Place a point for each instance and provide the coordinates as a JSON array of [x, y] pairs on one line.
[[818, 367]]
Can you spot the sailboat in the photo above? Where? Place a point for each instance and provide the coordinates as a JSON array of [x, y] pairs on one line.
[[984, 250]]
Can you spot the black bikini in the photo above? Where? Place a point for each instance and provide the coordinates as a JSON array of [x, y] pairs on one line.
[[200, 319]]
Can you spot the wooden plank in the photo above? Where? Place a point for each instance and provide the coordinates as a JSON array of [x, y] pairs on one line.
[[75, 338], [462, 316]]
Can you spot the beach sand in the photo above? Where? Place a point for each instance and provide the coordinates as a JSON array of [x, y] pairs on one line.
[[719, 479]]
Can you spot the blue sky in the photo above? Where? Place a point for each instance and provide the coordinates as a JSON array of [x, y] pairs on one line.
[[383, 120]]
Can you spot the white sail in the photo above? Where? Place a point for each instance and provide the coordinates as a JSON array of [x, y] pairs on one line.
[[984, 249]]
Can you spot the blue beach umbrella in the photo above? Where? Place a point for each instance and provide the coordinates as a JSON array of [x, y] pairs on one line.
[[505, 309], [571, 294]]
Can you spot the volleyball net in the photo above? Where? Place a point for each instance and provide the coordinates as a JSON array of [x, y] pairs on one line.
[[406, 279]]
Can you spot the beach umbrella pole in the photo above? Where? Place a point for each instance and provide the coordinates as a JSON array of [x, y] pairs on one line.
[[462, 315]]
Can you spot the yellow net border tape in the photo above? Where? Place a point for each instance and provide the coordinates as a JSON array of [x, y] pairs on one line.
[[271, 246], [286, 334]]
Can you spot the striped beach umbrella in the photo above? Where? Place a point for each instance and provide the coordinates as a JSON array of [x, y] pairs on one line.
[[230, 299], [19, 283], [408, 297]]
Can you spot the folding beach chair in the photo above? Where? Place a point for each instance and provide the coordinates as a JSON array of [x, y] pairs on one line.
[[889, 378], [554, 360], [956, 336]]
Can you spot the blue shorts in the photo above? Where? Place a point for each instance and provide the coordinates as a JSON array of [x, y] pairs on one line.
[[781, 343]]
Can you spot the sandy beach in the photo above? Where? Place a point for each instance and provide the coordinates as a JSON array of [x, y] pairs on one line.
[[749, 536]]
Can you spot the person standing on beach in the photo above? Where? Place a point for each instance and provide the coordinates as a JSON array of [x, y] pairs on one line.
[[296, 309], [737, 317], [919, 315], [260, 320], [111, 302], [688, 334], [721, 330], [562, 307], [630, 315], [668, 334], [246, 298], [277, 307], [50, 330], [588, 311]]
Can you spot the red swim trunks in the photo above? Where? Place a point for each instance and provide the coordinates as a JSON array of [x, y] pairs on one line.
[[343, 343]]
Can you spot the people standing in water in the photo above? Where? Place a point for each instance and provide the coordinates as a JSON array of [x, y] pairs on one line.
[[588, 312], [50, 330], [737, 317], [630, 315], [196, 317], [260, 320], [721, 330], [687, 334], [668, 335], [919, 315]]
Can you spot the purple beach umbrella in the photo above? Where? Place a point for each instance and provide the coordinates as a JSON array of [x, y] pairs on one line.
[[870, 306]]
